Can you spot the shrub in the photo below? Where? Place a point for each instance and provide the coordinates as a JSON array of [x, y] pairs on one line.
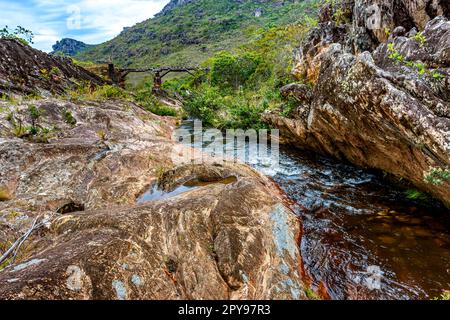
[[145, 98], [233, 70], [87, 92], [19, 33], [68, 117]]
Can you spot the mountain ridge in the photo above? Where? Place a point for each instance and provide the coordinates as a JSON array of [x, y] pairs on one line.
[[190, 31]]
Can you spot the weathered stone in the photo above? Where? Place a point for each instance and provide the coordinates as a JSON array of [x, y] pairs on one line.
[[300, 92], [234, 240], [24, 70], [377, 111]]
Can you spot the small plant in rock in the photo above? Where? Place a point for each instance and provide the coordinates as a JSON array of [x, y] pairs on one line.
[[102, 135], [444, 296], [436, 75], [311, 294], [395, 54], [19, 129], [414, 194], [418, 66], [68, 117], [55, 71], [44, 74], [10, 117], [420, 38], [35, 114], [437, 176]]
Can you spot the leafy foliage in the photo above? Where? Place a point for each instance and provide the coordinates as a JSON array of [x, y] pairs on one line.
[[191, 33], [146, 99], [243, 83], [418, 66], [19, 33], [437, 176]]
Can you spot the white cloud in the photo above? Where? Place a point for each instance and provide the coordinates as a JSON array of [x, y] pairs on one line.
[[91, 21]]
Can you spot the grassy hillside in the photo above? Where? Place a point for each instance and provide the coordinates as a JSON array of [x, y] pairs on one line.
[[189, 34]]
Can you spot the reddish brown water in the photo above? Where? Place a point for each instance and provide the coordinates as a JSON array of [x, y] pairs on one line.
[[363, 238]]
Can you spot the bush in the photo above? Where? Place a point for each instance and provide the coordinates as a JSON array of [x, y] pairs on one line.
[[68, 117], [206, 104], [145, 98], [162, 110], [233, 70], [86, 92], [19, 33]]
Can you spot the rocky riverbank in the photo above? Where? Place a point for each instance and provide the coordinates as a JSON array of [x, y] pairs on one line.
[[72, 172], [376, 97]]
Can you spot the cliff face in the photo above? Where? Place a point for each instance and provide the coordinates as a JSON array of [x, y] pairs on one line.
[[382, 105]]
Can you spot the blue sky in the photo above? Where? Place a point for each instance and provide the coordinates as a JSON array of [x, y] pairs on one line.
[[90, 21]]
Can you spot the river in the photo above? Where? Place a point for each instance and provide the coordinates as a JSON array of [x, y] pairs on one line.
[[363, 239]]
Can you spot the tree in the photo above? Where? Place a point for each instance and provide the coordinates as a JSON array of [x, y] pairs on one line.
[[19, 33]]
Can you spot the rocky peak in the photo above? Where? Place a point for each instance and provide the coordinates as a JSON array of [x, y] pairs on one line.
[[69, 47], [173, 4]]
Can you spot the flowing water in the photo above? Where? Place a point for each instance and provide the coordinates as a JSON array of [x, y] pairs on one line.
[[362, 238]]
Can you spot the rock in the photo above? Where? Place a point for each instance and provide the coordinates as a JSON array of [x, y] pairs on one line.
[[237, 240], [24, 70], [300, 92], [199, 245], [375, 111], [399, 32], [69, 47]]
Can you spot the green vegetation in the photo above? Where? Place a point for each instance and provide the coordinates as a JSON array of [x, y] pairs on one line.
[[147, 100], [414, 194], [235, 87], [311, 295], [68, 117], [437, 176], [19, 33], [444, 296], [418, 66], [191, 33], [86, 92], [420, 38]]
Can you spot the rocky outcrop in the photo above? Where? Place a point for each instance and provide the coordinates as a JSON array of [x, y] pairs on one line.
[[218, 241], [24, 70], [387, 109], [362, 25], [172, 5], [69, 47]]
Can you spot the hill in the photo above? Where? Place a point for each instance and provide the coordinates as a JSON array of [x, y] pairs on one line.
[[189, 31]]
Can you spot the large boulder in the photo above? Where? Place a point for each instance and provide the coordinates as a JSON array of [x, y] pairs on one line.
[[387, 110], [236, 239]]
